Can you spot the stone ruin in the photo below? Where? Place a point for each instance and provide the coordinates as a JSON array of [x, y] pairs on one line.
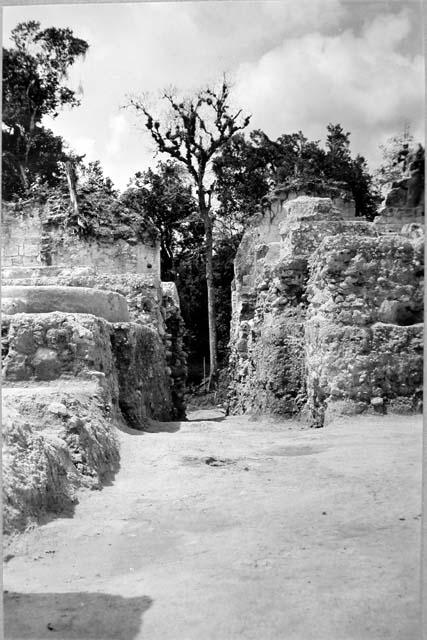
[[327, 309], [91, 337], [327, 319], [403, 206]]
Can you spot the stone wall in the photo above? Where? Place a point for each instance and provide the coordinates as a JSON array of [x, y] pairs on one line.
[[41, 299], [86, 347], [20, 238], [364, 326], [315, 293], [49, 346], [27, 242], [404, 199], [150, 303]]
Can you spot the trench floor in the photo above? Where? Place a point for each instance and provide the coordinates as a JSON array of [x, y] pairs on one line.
[[228, 528]]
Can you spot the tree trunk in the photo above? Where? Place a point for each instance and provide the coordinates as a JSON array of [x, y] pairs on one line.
[[71, 179], [23, 176], [28, 143], [213, 368]]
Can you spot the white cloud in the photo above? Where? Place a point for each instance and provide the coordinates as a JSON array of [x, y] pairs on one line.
[[362, 81], [298, 64], [117, 125]]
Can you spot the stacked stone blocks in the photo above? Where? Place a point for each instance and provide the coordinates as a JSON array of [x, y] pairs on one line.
[[83, 350], [327, 315]]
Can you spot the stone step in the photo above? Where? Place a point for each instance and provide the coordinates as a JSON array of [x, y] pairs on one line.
[[45, 299], [19, 273], [82, 386]]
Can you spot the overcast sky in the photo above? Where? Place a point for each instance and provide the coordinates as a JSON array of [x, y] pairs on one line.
[[295, 65]]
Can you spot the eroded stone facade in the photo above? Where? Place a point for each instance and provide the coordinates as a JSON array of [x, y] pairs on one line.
[[327, 314], [28, 241], [90, 347]]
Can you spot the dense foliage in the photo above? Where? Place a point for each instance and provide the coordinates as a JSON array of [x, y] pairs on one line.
[[163, 196], [102, 212], [34, 85], [248, 168]]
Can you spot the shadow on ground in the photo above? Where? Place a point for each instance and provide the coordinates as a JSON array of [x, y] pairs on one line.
[[152, 427], [65, 509], [163, 427], [220, 419], [77, 616], [64, 506], [173, 427]]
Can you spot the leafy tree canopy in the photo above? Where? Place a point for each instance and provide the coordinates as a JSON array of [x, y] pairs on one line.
[[163, 195], [34, 85], [249, 168]]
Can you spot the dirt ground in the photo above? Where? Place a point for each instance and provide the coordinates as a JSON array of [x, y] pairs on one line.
[[229, 528]]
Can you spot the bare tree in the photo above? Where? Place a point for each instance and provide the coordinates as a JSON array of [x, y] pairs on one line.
[[198, 128]]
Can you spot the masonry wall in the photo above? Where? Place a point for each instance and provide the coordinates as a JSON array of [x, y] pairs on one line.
[[152, 305], [327, 315], [20, 238], [364, 326], [26, 242], [90, 338]]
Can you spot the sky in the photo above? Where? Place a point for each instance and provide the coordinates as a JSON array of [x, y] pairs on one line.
[[294, 65]]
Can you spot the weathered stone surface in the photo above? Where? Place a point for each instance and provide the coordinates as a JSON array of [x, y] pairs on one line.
[[269, 304], [408, 192], [52, 345], [362, 280], [173, 341], [351, 365], [55, 441], [56, 438], [330, 324], [105, 323], [404, 199], [150, 303], [129, 358], [41, 299], [143, 293], [140, 361], [28, 242], [309, 208]]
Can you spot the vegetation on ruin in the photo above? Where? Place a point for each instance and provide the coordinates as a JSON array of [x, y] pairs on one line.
[[197, 202], [34, 85], [193, 133], [249, 168]]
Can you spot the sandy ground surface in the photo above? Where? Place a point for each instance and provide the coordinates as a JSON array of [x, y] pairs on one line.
[[216, 529]]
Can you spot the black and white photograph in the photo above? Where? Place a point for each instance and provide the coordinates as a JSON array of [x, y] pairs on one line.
[[212, 306]]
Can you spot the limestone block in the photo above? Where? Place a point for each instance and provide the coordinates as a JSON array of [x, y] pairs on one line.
[[48, 346], [38, 299], [356, 297], [149, 305], [140, 361], [309, 208]]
